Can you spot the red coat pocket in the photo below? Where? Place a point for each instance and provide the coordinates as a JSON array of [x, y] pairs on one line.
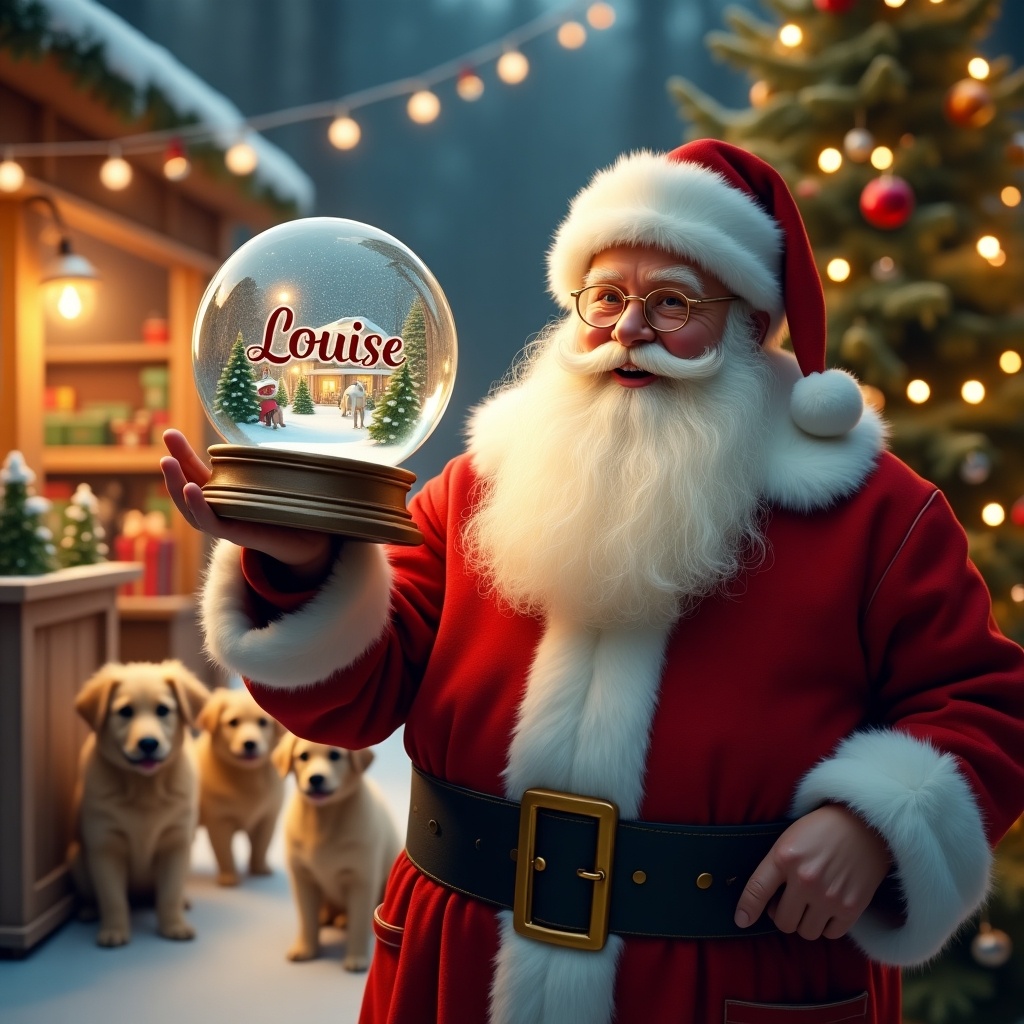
[[854, 1009]]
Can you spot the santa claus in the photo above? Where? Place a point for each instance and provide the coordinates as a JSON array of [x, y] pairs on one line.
[[707, 713]]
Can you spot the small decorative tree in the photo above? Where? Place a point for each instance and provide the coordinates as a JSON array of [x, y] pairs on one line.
[[26, 545], [82, 540], [282, 392], [303, 401], [236, 389], [397, 411]]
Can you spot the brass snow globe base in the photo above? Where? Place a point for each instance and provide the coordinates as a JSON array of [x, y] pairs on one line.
[[357, 499]]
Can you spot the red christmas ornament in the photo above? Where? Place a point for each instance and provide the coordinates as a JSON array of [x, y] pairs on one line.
[[1017, 512], [969, 104], [887, 202], [834, 6]]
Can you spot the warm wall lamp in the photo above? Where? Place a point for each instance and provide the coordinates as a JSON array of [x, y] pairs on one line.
[[69, 280]]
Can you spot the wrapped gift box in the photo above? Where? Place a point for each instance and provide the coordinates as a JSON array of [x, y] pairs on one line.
[[144, 539]]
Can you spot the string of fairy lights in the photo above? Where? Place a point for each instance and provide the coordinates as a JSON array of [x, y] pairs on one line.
[[423, 106]]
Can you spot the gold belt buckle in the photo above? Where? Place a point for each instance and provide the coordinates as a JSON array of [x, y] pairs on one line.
[[607, 815]]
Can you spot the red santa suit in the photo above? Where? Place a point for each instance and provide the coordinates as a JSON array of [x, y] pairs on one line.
[[859, 664]]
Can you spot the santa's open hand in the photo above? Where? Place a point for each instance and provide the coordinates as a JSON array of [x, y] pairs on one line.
[[828, 866], [306, 553]]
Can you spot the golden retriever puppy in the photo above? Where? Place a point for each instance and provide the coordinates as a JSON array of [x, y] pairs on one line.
[[239, 788], [340, 842], [137, 799]]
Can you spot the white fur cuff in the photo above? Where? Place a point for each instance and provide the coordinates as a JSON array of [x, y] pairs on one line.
[[920, 803], [303, 647]]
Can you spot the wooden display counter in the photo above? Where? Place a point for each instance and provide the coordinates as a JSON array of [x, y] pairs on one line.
[[55, 631]]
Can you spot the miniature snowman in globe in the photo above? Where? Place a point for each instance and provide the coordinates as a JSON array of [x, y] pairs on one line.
[[293, 318]]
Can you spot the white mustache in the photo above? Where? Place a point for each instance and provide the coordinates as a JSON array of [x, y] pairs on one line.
[[651, 357]]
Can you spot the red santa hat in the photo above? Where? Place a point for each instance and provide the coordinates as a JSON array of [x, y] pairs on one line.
[[264, 383], [733, 215]]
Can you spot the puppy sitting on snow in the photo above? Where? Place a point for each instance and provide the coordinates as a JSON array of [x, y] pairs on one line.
[[340, 842], [137, 799], [239, 788]]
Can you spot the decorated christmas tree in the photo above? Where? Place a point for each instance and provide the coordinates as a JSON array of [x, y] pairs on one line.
[[303, 400], [398, 410], [26, 544], [281, 397], [236, 389], [903, 146], [81, 541]]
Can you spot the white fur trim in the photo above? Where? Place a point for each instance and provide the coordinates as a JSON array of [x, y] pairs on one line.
[[684, 208], [328, 633], [827, 404], [580, 731], [535, 983], [920, 803], [804, 472]]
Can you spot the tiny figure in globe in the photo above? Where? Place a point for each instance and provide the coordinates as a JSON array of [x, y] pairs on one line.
[[354, 402], [270, 412]]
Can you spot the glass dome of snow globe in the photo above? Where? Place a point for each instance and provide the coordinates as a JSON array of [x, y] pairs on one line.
[[324, 354]]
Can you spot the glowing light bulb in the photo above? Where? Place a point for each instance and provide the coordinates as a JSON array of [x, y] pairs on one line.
[[988, 246], [601, 16], [116, 173], [830, 160], [512, 67], [572, 35], [12, 177], [998, 260], [241, 158], [70, 304], [1009, 195], [918, 391], [791, 35], [423, 107], [1017, 593], [838, 270], [1010, 362], [760, 93], [469, 85], [895, 3], [344, 132], [881, 158], [993, 514], [177, 165], [972, 392], [977, 67]]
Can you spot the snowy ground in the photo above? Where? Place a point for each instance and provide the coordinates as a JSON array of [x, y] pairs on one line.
[[325, 432]]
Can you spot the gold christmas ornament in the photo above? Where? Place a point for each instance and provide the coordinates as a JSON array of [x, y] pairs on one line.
[[991, 947], [969, 104]]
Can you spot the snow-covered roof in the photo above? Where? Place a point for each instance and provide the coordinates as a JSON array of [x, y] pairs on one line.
[[138, 60]]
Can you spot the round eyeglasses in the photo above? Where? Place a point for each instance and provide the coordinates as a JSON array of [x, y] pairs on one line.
[[665, 309]]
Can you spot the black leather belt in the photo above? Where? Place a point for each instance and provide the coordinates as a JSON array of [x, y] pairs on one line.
[[571, 871]]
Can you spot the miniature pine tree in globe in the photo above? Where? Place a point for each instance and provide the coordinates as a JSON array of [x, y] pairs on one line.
[[414, 336], [396, 413], [303, 400], [26, 544], [282, 392], [236, 389], [81, 541], [905, 152]]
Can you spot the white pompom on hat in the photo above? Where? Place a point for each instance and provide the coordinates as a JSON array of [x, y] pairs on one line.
[[733, 215], [267, 382]]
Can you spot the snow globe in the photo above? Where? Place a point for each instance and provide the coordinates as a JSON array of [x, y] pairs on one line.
[[324, 354]]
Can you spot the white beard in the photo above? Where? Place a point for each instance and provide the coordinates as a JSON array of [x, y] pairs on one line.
[[616, 506]]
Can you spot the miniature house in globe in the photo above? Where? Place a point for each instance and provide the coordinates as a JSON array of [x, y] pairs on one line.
[[324, 353]]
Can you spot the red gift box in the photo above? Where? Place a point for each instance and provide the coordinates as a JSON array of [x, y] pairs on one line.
[[145, 539]]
